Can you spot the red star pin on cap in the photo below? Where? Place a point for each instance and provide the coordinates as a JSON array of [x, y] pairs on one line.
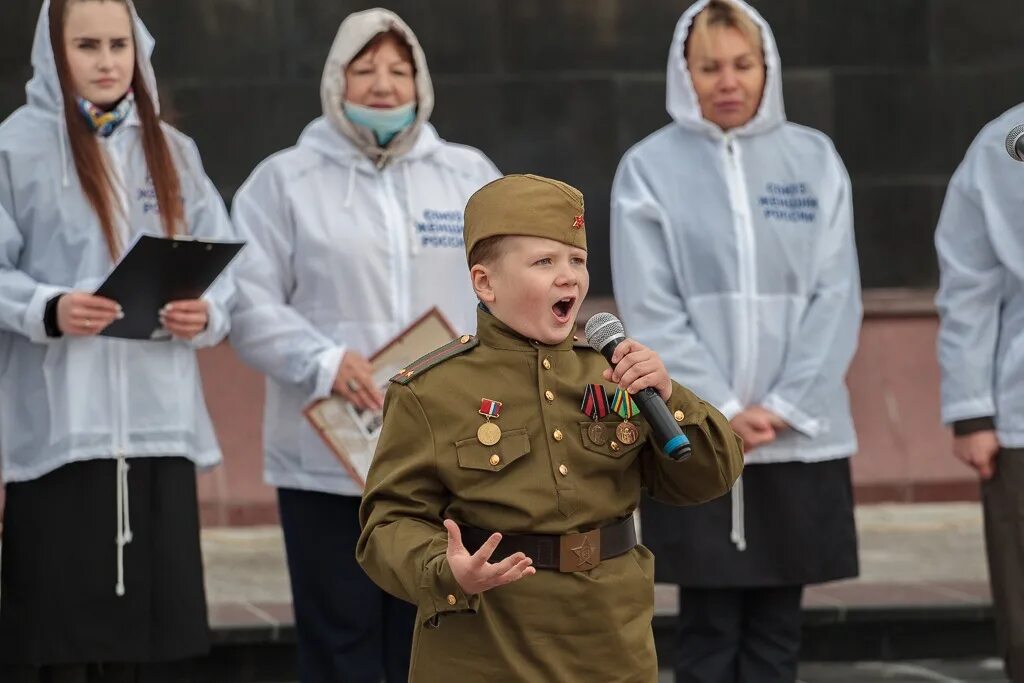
[[579, 223]]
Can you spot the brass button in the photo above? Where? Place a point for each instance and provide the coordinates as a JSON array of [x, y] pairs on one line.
[[464, 339], [557, 435], [575, 338], [549, 395], [452, 600], [679, 416], [614, 446], [546, 364], [563, 470], [495, 460]]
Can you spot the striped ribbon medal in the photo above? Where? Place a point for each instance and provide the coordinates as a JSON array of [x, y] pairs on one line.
[[595, 406], [489, 433], [622, 403]]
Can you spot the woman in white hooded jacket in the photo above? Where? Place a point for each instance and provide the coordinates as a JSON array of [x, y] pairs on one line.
[[733, 256], [354, 233], [100, 437], [980, 246]]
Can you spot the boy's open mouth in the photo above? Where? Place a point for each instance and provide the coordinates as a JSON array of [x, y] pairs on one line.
[[562, 308]]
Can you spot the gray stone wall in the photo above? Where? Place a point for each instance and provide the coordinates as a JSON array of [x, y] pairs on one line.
[[564, 87]]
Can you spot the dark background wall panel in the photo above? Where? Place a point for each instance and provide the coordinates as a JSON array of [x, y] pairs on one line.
[[564, 87], [895, 232], [980, 33], [458, 36], [236, 126], [588, 35], [204, 40]]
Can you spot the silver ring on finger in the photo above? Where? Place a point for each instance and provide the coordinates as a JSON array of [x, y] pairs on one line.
[[88, 324], [352, 385]]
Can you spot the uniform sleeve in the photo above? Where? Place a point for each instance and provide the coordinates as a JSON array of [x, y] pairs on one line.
[[208, 219], [22, 299], [266, 331], [647, 291], [969, 300], [716, 459], [820, 352], [403, 542]]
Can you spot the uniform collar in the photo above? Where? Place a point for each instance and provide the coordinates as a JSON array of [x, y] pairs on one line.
[[497, 335]]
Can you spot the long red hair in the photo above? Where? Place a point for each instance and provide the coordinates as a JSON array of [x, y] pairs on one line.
[[93, 173]]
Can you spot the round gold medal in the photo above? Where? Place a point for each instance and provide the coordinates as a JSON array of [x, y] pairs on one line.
[[627, 432], [598, 433], [489, 433]]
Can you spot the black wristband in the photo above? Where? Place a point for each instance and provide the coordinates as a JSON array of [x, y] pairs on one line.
[[975, 424], [50, 318]]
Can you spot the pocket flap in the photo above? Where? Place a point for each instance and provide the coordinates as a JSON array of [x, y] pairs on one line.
[[473, 455]]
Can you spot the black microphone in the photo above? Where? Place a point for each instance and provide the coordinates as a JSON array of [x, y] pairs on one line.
[[1015, 143], [604, 332]]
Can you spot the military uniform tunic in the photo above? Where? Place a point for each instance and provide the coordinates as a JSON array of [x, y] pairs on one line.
[[545, 476]]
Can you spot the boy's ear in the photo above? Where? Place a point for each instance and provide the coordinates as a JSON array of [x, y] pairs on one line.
[[482, 283]]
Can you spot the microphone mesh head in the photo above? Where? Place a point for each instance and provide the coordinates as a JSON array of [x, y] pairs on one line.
[[602, 328], [1011, 142]]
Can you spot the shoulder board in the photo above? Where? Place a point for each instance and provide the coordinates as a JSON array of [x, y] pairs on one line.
[[453, 348]]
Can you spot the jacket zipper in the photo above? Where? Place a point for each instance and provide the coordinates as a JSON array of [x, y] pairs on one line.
[[399, 246], [746, 255]]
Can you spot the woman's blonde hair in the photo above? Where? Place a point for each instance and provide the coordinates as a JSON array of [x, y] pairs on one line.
[[725, 14]]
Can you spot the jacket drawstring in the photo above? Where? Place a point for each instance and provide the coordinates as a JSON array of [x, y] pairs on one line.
[[351, 186], [62, 146], [738, 535], [124, 525], [414, 244]]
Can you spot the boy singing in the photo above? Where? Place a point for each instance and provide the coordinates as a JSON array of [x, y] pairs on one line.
[[521, 445]]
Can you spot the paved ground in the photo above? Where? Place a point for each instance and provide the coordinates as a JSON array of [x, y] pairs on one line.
[[898, 544], [927, 554]]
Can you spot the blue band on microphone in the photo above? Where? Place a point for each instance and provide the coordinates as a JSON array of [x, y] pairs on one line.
[[675, 442]]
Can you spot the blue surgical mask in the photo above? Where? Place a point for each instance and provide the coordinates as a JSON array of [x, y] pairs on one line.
[[385, 123]]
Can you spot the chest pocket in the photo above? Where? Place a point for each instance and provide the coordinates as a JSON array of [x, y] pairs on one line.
[[605, 440], [473, 455]]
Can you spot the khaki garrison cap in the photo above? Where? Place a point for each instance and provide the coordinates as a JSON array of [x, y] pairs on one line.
[[526, 205]]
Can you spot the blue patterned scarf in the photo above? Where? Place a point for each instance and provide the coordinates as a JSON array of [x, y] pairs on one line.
[[102, 121]]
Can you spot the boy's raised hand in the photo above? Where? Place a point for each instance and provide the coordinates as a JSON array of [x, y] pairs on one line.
[[473, 572], [636, 367]]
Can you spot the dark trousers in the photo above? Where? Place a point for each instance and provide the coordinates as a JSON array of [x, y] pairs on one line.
[[348, 629], [1003, 499], [749, 635]]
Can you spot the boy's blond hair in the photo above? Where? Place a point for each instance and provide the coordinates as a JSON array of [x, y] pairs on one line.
[[486, 251], [724, 14]]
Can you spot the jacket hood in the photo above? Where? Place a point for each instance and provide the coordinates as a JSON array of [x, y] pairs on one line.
[[681, 98], [43, 88], [353, 34]]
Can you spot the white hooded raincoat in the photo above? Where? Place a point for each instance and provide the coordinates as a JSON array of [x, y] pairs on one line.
[[980, 243], [733, 256], [350, 243], [77, 398]]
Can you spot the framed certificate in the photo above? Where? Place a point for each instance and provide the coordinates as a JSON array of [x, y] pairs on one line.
[[352, 434]]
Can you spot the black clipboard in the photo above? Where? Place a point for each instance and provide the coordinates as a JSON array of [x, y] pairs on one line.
[[156, 271]]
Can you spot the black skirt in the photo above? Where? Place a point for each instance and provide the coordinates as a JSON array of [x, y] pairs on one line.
[[799, 524], [59, 566]]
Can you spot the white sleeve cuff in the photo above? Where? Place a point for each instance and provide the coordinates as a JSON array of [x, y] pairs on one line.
[[327, 370], [33, 324], [217, 325], [796, 418], [731, 409], [968, 410]]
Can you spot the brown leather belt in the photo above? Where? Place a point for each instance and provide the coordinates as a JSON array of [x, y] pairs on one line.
[[569, 553]]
